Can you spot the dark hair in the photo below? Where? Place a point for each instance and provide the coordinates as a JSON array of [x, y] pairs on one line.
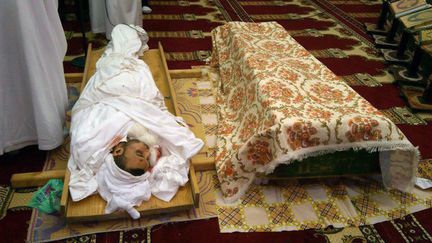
[[120, 161]]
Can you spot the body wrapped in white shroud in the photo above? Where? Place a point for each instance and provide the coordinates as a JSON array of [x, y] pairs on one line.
[[120, 94]]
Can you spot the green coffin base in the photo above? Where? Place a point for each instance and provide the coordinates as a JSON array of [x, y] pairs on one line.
[[331, 165]]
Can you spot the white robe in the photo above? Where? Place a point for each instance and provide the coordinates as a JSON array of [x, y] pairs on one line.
[[33, 94], [119, 12], [120, 94]]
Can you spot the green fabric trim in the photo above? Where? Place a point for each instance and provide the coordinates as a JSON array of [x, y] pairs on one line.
[[47, 199], [335, 164]]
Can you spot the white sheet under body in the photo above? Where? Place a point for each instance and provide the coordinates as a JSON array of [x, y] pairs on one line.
[[121, 93]]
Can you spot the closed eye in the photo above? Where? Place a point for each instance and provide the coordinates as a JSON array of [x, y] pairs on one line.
[[139, 153]]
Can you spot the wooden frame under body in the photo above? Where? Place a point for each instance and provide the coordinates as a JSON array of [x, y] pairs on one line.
[[92, 208]]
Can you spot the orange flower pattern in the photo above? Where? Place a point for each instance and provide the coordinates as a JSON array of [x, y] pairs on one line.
[[259, 152], [250, 124], [327, 93], [236, 101], [276, 92], [300, 135], [277, 101], [363, 129], [227, 169]]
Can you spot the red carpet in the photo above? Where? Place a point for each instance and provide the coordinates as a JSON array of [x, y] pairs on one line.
[[183, 28]]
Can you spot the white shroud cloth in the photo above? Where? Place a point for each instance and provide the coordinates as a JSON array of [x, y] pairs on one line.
[[121, 93], [119, 12], [33, 95], [121, 190]]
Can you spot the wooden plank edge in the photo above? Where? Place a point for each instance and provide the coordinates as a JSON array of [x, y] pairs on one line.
[[194, 186], [185, 73], [124, 215], [86, 67], [169, 81], [202, 163], [65, 193], [185, 205], [73, 77], [35, 179], [177, 73]]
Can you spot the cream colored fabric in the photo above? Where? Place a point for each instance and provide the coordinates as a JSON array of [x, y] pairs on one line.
[[298, 204], [278, 104]]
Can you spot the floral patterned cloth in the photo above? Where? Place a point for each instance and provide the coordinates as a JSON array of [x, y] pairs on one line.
[[278, 103]]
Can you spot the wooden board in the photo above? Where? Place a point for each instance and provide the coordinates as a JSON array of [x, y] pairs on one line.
[[185, 73], [65, 193], [162, 77], [35, 179], [195, 188], [201, 162], [74, 77], [90, 61], [92, 208]]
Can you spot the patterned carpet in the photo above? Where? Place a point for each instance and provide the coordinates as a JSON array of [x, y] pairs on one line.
[[45, 227], [332, 30]]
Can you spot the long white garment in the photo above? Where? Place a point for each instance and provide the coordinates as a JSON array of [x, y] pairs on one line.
[[33, 95], [105, 14], [120, 94]]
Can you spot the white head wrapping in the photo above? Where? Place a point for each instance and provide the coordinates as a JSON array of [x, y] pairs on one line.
[[122, 190]]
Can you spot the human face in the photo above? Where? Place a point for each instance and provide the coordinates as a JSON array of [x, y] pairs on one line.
[[137, 156]]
